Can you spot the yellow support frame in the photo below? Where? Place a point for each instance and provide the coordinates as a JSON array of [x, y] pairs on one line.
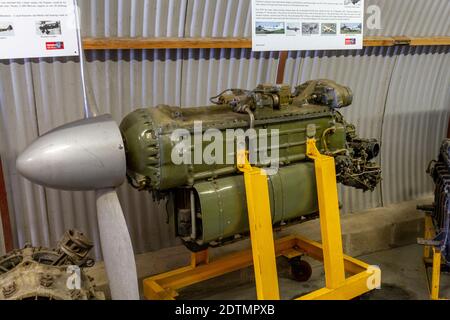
[[261, 232], [362, 277], [433, 256], [330, 224]]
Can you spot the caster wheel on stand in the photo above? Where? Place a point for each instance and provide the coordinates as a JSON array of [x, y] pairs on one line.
[[300, 269]]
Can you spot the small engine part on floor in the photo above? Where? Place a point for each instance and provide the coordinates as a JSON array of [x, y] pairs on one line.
[[36, 273]]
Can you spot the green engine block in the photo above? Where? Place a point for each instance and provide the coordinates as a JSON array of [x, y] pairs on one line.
[[209, 199]]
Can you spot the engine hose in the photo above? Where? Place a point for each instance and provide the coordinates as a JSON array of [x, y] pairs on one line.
[[324, 135], [252, 117], [252, 126]]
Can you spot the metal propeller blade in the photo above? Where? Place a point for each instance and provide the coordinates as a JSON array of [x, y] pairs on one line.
[[89, 155], [116, 246]]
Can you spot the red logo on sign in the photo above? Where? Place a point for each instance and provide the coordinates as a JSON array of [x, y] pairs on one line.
[[54, 45], [350, 41]]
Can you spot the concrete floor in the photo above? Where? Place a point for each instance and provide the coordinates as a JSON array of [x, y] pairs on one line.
[[403, 277]]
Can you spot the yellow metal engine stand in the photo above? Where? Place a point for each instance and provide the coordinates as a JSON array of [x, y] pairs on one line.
[[361, 278], [432, 257]]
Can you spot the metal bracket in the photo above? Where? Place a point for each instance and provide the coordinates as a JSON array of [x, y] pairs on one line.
[[402, 41], [426, 242], [432, 256]]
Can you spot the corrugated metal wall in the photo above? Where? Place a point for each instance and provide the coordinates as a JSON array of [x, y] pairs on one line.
[[402, 97]]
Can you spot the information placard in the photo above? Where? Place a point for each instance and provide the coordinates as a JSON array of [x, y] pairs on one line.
[[37, 28], [280, 25]]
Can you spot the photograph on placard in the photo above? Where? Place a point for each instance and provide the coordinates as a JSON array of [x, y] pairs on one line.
[[6, 29], [49, 28], [311, 28], [328, 29], [293, 29], [269, 27], [351, 28]]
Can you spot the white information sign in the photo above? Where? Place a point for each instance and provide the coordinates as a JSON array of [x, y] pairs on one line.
[[280, 25], [37, 28]]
